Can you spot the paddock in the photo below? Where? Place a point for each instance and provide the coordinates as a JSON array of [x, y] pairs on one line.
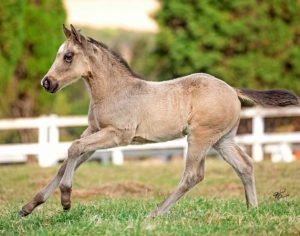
[[115, 200]]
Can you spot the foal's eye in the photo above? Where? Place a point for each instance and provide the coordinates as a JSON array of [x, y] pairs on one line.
[[68, 57]]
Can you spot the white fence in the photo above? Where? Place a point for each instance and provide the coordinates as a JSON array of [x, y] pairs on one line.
[[49, 150]]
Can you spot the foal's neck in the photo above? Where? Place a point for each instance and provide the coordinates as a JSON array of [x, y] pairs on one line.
[[107, 75]]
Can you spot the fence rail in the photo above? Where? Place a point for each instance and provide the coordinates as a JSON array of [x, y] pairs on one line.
[[49, 150]]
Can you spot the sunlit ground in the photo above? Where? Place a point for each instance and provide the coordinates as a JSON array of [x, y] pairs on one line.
[[116, 200]]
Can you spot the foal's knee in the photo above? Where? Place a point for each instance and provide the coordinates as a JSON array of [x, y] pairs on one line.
[[75, 149]]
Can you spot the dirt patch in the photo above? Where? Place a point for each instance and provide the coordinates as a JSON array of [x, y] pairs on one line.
[[232, 187], [2, 200], [225, 190], [117, 190]]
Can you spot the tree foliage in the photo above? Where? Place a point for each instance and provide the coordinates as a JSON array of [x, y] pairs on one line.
[[11, 39], [253, 43], [32, 34]]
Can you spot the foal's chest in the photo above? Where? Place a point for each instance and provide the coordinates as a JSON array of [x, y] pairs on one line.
[[119, 115]]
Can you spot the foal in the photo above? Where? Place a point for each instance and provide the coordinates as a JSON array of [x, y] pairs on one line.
[[127, 110]]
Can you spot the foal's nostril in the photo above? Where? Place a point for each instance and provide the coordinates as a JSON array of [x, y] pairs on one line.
[[46, 83]]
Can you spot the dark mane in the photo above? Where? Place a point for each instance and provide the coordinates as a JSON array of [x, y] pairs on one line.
[[117, 56]]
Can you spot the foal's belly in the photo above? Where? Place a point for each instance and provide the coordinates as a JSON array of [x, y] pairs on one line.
[[163, 114], [160, 131]]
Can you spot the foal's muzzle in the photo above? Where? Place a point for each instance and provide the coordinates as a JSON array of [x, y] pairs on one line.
[[51, 85]]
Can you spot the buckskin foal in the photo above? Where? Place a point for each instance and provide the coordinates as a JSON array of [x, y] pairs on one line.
[[127, 110]]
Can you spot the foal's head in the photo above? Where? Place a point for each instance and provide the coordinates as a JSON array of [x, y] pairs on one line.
[[71, 62], [77, 56]]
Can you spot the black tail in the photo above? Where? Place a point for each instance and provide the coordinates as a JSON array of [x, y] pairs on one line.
[[274, 97]]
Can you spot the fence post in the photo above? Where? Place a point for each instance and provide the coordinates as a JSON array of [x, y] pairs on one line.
[[53, 140], [185, 151], [53, 130], [258, 132], [48, 141], [117, 157], [286, 152], [43, 155]]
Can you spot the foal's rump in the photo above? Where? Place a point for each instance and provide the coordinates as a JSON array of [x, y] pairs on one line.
[[276, 97]]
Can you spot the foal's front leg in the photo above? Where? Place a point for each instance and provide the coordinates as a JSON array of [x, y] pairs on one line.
[[105, 138], [106, 134], [46, 192]]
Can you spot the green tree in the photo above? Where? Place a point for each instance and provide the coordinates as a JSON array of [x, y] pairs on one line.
[[42, 36], [30, 35], [253, 43], [11, 40], [31, 32]]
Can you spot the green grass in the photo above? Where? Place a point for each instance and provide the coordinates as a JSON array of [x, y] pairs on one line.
[[110, 200]]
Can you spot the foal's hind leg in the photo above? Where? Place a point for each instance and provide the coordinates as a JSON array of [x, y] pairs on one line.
[[241, 163], [46, 192], [193, 173]]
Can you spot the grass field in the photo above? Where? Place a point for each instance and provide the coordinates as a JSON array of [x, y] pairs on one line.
[[111, 200]]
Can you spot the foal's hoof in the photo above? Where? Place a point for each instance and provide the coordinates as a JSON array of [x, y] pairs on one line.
[[23, 213], [67, 207], [153, 214]]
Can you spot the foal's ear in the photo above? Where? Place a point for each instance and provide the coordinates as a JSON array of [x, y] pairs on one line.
[[67, 32], [76, 34]]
